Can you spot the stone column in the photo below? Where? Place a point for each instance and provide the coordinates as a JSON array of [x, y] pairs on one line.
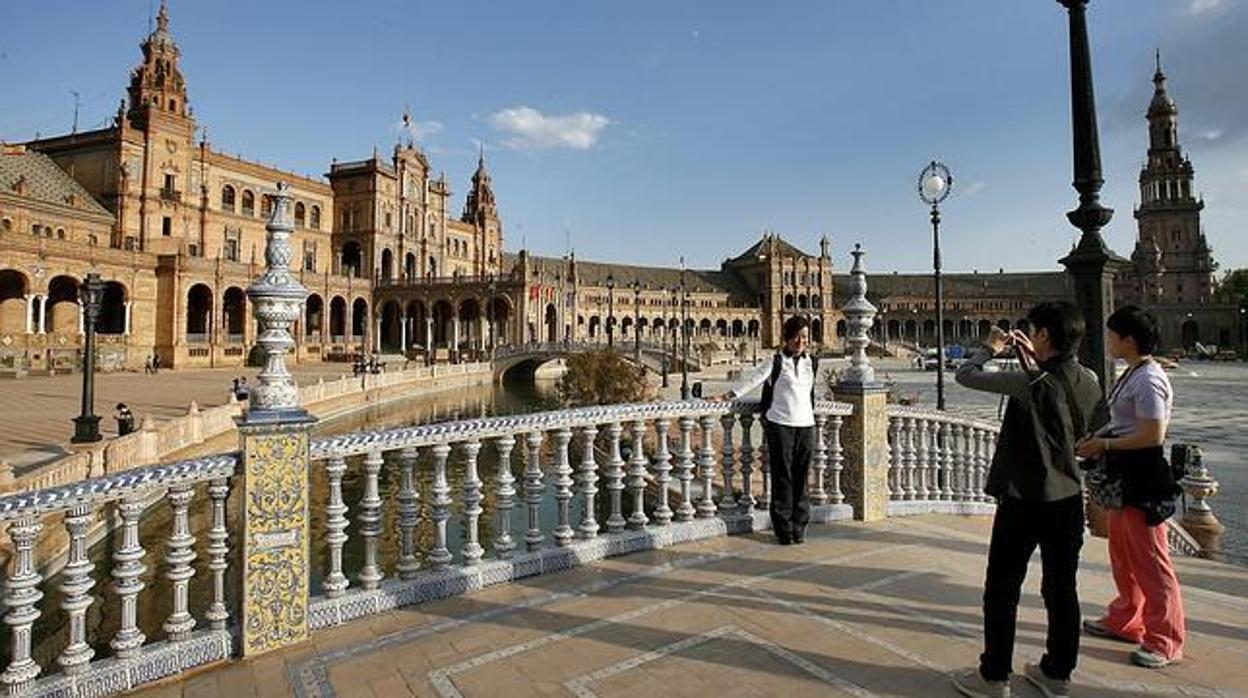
[[30, 311], [864, 435], [377, 335], [43, 314], [454, 337], [82, 313], [403, 331], [126, 322], [274, 439]]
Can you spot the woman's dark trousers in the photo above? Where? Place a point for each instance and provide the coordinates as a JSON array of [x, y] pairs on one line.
[[789, 450]]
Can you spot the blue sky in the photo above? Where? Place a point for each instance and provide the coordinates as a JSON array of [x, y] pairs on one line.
[[648, 129]]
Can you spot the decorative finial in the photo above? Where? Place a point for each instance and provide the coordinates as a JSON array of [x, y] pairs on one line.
[[162, 17], [859, 316]]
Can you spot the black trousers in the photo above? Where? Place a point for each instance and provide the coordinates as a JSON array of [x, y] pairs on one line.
[[1018, 528], [789, 450]]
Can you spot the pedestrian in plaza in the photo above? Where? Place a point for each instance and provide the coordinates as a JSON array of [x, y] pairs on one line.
[[787, 408], [125, 419], [1148, 610], [147, 365], [1039, 493]]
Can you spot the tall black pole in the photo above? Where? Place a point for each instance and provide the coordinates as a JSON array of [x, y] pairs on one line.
[[940, 311], [610, 313], [636, 324], [684, 333], [1091, 263], [489, 317], [87, 424]]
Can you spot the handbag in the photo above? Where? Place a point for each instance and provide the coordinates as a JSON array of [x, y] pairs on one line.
[[1103, 483]]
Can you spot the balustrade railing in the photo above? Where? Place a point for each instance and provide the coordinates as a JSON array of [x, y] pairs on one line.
[[938, 461]]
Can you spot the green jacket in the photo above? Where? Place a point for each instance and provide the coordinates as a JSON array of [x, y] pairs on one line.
[[1035, 456]]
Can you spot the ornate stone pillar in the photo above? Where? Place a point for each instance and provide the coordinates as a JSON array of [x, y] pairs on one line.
[[30, 310], [864, 436], [126, 322], [43, 314], [274, 437], [403, 331]]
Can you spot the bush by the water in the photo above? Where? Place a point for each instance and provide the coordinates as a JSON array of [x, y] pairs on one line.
[[602, 377]]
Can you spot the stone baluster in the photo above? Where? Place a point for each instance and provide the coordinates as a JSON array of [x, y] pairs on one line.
[[908, 458], [76, 581], [746, 501], [562, 482], [127, 573], [819, 463], [727, 500], [990, 448], [895, 458], [336, 582], [588, 527], [218, 614], [440, 507], [615, 479], [21, 593], [370, 520], [504, 497], [408, 509], [764, 464], [662, 470], [472, 504], [836, 496], [976, 436], [944, 455], [179, 553], [922, 457], [637, 518], [706, 462], [684, 469], [533, 489], [959, 461]]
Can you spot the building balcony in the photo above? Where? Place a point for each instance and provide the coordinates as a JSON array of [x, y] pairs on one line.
[[171, 195]]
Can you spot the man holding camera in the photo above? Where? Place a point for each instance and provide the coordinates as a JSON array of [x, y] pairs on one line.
[[1039, 493]]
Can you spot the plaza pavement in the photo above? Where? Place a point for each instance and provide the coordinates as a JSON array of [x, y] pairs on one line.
[[880, 609], [36, 412]]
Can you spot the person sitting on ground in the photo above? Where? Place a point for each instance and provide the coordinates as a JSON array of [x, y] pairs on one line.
[[125, 419]]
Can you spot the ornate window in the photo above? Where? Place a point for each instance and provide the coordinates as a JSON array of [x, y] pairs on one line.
[[227, 198], [314, 218], [266, 205], [249, 203], [300, 214]]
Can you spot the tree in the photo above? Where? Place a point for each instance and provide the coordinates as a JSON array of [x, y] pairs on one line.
[[602, 377], [1234, 286]]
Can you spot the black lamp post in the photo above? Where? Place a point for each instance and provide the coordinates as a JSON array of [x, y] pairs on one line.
[[636, 322], [934, 185], [1091, 263], [87, 424], [611, 310], [684, 332], [1243, 330]]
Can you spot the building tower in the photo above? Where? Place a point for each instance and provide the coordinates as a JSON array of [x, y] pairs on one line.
[[1172, 260], [481, 212]]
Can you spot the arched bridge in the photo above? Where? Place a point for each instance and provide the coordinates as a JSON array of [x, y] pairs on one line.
[[526, 358]]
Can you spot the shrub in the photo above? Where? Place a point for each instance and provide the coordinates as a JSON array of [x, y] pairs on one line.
[[601, 377]]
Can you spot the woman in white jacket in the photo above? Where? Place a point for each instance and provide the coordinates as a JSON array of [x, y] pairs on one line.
[[788, 414]]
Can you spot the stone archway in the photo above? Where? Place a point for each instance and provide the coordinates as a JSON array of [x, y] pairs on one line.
[[62, 307], [199, 313], [112, 319], [14, 310], [234, 313]]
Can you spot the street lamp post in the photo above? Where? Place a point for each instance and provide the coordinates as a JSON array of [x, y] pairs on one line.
[[1091, 263], [489, 312], [636, 322], [611, 310], [684, 332], [935, 182], [87, 424]]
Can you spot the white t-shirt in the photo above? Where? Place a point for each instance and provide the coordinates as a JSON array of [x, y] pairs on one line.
[[1143, 394], [790, 398]]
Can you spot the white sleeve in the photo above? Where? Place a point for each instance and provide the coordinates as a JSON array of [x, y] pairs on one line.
[[754, 378]]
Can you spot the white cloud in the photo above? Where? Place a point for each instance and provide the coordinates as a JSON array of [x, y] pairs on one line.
[[1212, 134], [974, 188], [529, 129], [1200, 7]]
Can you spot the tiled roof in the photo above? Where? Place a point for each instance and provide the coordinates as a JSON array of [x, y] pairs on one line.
[[44, 180], [595, 274], [758, 249], [1041, 285]]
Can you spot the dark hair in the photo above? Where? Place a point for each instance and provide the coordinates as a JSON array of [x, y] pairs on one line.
[[121, 405], [1064, 323], [794, 325], [1136, 323]]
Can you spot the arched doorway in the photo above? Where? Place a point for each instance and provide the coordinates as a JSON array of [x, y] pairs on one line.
[[391, 331], [313, 318], [816, 331], [359, 320], [470, 324], [234, 312], [62, 305], [912, 330], [552, 323], [409, 267], [441, 323], [417, 332], [387, 266], [1190, 333], [985, 328], [595, 328], [13, 306], [199, 314], [112, 319], [841, 329], [337, 319], [752, 328]]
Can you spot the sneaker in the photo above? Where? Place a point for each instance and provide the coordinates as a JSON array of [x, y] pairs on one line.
[[1051, 688], [1097, 629], [799, 538], [1149, 659], [970, 682]]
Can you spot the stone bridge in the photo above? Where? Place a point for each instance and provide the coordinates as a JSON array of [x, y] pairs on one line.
[[526, 358]]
